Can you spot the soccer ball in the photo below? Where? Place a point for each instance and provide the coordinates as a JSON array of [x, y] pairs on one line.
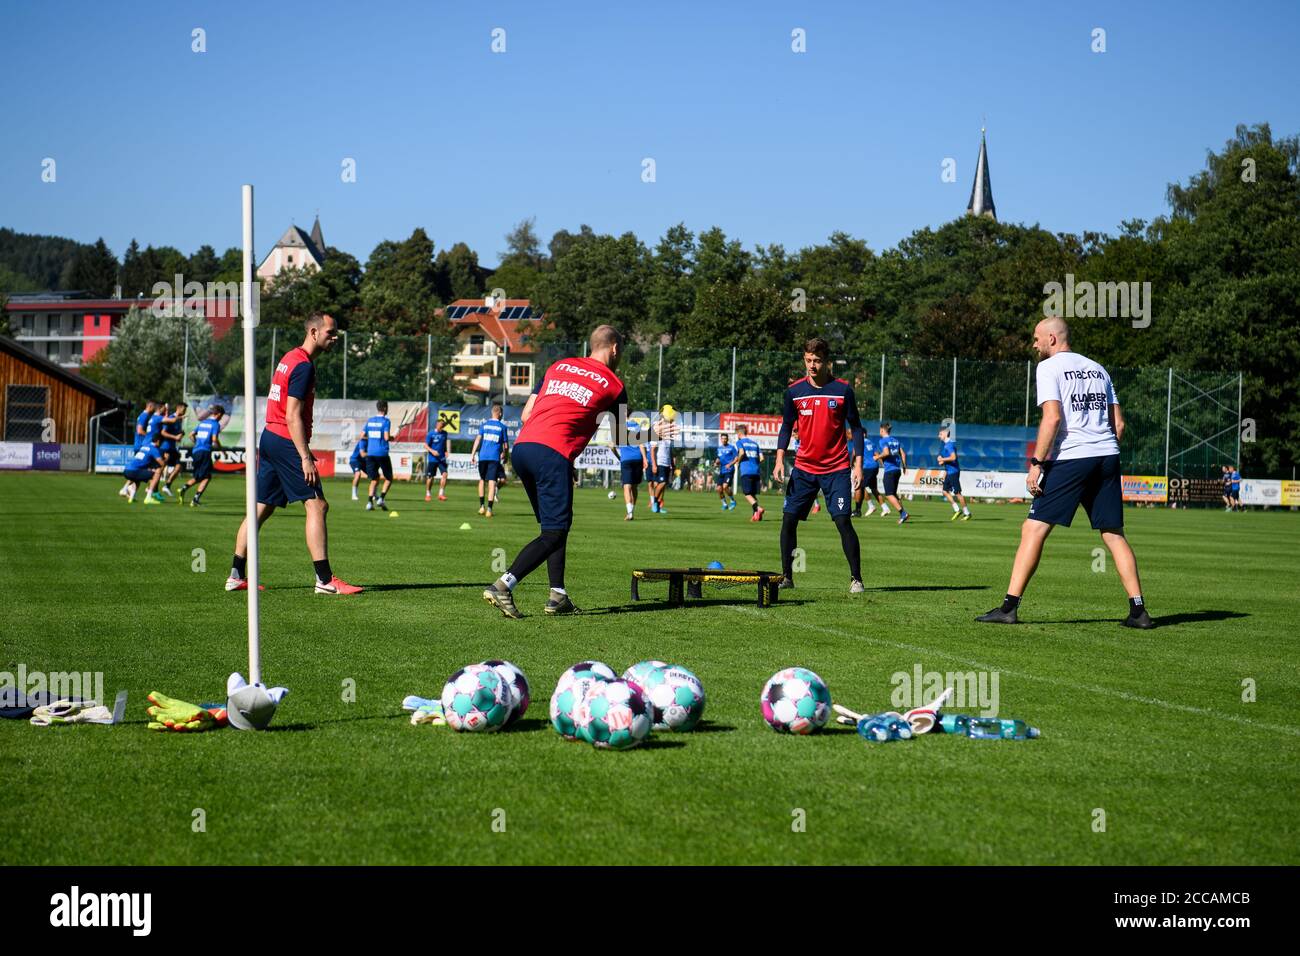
[[796, 701], [587, 669], [476, 698], [676, 698], [520, 693], [613, 715], [636, 674], [568, 697], [612, 496]]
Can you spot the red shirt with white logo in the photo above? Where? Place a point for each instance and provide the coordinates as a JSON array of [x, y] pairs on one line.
[[819, 414], [294, 375], [569, 401]]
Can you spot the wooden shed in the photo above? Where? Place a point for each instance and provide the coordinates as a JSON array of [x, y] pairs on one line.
[[36, 393]]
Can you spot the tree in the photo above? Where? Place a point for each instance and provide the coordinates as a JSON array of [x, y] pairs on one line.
[[563, 241], [523, 246], [458, 274], [672, 293], [203, 266], [602, 280], [94, 269], [146, 358]]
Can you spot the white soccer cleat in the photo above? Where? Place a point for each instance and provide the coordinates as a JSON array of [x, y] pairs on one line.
[[167, 491]]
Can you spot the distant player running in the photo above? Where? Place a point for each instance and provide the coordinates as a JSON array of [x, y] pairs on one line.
[[1236, 488], [870, 479], [171, 435], [491, 446], [952, 476], [205, 442], [286, 470], [378, 431], [143, 469], [142, 434], [893, 464], [751, 470], [822, 406], [435, 460], [726, 478], [632, 467], [561, 416], [661, 472], [1227, 488], [1076, 460], [357, 462]]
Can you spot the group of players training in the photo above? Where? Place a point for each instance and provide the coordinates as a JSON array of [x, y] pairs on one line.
[[1075, 461], [156, 456]]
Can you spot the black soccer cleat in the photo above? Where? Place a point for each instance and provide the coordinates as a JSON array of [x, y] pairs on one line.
[[999, 616], [787, 584], [503, 601], [560, 604], [1141, 621]]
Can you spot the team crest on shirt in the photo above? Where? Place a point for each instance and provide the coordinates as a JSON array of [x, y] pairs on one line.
[[830, 403]]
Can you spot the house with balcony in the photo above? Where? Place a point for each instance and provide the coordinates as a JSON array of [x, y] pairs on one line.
[[494, 355]]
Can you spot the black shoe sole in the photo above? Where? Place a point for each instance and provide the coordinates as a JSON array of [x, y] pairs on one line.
[[1140, 623], [986, 619]]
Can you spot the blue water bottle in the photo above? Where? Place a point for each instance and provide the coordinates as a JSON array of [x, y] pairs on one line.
[[999, 728]]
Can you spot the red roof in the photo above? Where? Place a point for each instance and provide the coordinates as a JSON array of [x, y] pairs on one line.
[[504, 332]]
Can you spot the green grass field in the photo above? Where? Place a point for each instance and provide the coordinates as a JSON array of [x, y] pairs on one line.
[[1149, 727]]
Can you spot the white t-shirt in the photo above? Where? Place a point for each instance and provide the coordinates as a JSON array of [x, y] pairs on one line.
[[1085, 392]]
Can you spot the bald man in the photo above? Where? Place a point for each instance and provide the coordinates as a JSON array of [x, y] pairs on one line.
[[1076, 461]]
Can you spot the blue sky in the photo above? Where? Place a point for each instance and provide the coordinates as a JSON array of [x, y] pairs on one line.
[[153, 140]]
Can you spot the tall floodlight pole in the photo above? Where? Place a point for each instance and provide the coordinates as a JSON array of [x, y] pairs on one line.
[[185, 372], [428, 368], [659, 389], [733, 379], [954, 389], [882, 386], [1029, 368], [1169, 408], [249, 306], [345, 365], [1237, 464]]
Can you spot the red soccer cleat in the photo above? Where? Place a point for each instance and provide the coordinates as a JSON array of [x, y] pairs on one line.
[[239, 584], [337, 586]]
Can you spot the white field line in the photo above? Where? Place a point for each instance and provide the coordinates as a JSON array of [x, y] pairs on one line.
[[1056, 681]]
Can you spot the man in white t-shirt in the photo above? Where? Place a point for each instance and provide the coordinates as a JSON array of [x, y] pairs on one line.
[[1076, 461]]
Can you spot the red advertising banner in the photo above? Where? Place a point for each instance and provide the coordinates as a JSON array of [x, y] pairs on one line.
[[762, 428]]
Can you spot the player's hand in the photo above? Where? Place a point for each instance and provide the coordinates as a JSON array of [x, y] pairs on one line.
[[473, 459], [778, 473], [857, 475], [309, 474], [1033, 480]]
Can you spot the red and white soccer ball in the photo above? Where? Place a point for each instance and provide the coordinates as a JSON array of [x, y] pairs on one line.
[[796, 701]]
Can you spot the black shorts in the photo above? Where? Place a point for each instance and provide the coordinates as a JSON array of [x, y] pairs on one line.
[[869, 480], [891, 483], [801, 492], [1236, 494], [547, 478], [633, 472], [952, 482], [279, 473], [489, 470], [433, 466], [749, 485], [377, 464], [1093, 482], [727, 478], [202, 465], [138, 475]]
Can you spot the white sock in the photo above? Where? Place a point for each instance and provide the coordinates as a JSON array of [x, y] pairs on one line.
[[966, 510], [884, 509], [630, 508], [955, 508], [508, 581], [558, 591]]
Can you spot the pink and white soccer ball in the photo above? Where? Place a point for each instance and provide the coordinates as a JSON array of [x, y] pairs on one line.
[[796, 701]]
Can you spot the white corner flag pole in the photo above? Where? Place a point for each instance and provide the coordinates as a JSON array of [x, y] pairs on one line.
[[249, 307]]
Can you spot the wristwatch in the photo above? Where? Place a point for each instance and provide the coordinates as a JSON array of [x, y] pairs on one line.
[[1036, 462]]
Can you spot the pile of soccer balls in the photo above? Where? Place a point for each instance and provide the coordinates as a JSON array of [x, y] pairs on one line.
[[591, 703], [485, 697]]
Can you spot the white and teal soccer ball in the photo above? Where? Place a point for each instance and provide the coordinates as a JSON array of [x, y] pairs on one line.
[[612, 496], [676, 697], [587, 668], [565, 702], [520, 691], [796, 701], [612, 715], [637, 673], [476, 698]]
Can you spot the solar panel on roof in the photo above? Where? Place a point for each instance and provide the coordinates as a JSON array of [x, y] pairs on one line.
[[455, 312]]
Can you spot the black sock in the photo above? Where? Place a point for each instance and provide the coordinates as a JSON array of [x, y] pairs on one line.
[[239, 566], [555, 564], [1135, 606], [1010, 602], [537, 551], [852, 547], [323, 572], [480, 501], [198, 495], [754, 507], [789, 541]]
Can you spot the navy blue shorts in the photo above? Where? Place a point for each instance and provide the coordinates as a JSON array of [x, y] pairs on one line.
[[138, 475], [1236, 494], [375, 464], [749, 485], [725, 477], [801, 492], [433, 466], [633, 472], [202, 465], [489, 470], [869, 480], [1092, 482], [891, 482], [279, 473], [547, 477], [357, 464], [171, 456], [952, 482]]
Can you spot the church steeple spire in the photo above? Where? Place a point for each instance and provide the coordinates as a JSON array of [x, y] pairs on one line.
[[981, 190]]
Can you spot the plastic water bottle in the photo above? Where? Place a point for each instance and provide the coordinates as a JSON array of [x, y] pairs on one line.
[[953, 723], [999, 728], [881, 728]]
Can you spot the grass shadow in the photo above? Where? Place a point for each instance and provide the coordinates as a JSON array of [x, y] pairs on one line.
[[933, 587], [649, 604], [708, 727], [1168, 620]]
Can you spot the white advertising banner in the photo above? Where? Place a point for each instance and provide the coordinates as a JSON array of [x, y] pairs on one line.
[[974, 484], [15, 454], [1258, 491], [598, 457]]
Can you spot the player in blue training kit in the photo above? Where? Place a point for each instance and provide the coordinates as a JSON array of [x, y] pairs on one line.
[[726, 478], [357, 462], [145, 468], [490, 449], [870, 483], [1227, 487], [435, 460], [1235, 479], [205, 440], [142, 434], [751, 470], [632, 464], [171, 436], [893, 465], [952, 477], [378, 431]]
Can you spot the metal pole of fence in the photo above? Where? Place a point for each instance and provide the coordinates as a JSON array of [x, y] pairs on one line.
[[345, 365], [1169, 407], [505, 371], [185, 373], [272, 373], [428, 368], [733, 380], [882, 386], [659, 389], [1238, 462], [954, 390], [1028, 370]]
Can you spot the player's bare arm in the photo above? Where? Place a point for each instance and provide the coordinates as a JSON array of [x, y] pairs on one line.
[[1117, 422], [528, 408], [298, 432], [1051, 421]]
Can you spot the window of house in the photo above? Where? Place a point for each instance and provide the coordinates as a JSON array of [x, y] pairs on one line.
[[25, 407], [521, 376]]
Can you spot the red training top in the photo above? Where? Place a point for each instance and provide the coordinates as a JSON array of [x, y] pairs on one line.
[[296, 376], [570, 399]]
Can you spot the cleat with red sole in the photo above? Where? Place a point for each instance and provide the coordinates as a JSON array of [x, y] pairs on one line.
[[337, 586], [239, 584]]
